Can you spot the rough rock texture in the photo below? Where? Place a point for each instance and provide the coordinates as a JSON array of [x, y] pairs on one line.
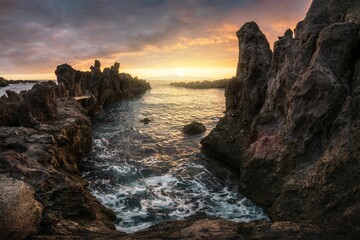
[[20, 212], [298, 149], [212, 228], [44, 132], [244, 95], [101, 87], [194, 128], [3, 82]]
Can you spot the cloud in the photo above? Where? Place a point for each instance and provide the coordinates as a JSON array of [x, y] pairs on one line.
[[37, 35]]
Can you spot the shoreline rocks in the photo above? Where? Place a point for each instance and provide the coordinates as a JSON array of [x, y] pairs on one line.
[[194, 128], [292, 125], [202, 84], [3, 82], [44, 132]]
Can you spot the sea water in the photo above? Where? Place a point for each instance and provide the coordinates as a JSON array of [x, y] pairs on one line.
[[148, 173]]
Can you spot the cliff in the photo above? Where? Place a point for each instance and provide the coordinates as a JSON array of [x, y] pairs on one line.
[[292, 124], [44, 132]]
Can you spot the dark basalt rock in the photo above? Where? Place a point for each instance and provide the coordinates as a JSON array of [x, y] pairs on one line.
[[3, 82], [194, 128], [145, 120], [296, 143], [103, 87], [44, 132], [222, 83], [244, 96]]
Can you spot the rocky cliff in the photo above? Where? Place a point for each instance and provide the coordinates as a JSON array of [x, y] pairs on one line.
[[292, 125], [44, 132]]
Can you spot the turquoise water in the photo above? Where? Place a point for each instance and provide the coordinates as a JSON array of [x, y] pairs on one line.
[[151, 173]]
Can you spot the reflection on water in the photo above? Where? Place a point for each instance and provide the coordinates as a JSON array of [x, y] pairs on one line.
[[150, 173]]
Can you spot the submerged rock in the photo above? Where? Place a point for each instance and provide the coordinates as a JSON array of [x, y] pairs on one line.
[[292, 128], [145, 120], [194, 128]]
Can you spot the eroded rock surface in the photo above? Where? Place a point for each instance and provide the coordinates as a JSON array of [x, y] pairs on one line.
[[101, 87], [44, 132], [297, 146]]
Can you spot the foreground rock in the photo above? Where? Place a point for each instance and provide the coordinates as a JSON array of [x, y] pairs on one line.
[[44, 132], [194, 128], [292, 127], [214, 229]]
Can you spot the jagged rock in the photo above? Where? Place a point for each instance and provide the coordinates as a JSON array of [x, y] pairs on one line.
[[95, 70], [244, 95], [3, 82], [46, 159], [298, 155], [43, 135], [40, 101], [194, 128], [102, 87]]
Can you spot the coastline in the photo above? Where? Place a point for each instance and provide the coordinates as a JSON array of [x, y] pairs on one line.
[[44, 133]]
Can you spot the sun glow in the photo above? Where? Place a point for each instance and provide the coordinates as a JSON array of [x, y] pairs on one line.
[[180, 72]]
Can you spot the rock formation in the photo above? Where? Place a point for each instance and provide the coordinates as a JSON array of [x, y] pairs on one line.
[[292, 127], [44, 132], [194, 128], [3, 82], [101, 87]]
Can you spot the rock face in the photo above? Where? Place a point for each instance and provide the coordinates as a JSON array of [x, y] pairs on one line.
[[102, 88], [292, 128], [194, 128], [44, 132]]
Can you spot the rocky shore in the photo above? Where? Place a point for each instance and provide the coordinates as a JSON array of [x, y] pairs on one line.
[[292, 124], [5, 83], [291, 129], [222, 83], [44, 132]]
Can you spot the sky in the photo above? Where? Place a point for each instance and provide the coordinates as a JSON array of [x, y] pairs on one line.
[[150, 38]]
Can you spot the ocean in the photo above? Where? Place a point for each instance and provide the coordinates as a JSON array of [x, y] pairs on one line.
[[148, 173]]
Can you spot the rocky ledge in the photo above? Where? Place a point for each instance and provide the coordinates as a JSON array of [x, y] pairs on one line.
[[292, 124], [44, 132]]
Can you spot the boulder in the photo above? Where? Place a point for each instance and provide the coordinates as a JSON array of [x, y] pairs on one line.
[[3, 82], [194, 128]]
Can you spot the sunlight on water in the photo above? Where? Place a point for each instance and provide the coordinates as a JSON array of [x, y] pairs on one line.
[[151, 173]]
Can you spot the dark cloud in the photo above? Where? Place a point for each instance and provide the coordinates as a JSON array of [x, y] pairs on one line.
[[37, 35]]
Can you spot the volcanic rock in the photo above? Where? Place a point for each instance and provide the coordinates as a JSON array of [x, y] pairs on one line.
[[145, 120], [102, 87], [194, 128], [297, 145], [44, 132], [3, 82]]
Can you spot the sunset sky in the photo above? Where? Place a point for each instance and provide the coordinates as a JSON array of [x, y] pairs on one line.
[[150, 38]]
